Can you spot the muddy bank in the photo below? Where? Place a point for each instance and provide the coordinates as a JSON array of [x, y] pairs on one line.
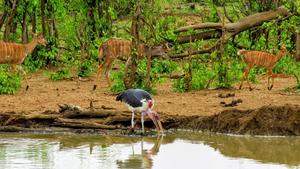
[[267, 120]]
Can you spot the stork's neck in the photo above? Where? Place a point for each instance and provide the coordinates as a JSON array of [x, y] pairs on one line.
[[148, 112]]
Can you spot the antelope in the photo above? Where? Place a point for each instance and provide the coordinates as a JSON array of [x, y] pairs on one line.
[[120, 49], [260, 59], [14, 53]]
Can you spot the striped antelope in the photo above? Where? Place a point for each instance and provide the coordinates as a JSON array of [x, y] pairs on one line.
[[115, 48], [14, 53], [260, 59]]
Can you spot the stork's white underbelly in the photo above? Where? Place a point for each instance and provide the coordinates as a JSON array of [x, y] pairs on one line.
[[144, 107]]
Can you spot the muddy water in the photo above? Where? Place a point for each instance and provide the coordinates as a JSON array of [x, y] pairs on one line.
[[175, 150]]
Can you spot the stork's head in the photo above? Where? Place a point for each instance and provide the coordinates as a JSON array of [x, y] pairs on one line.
[[150, 104]]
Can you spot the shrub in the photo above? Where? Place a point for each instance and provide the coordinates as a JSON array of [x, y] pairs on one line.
[[10, 83], [85, 69], [62, 74]]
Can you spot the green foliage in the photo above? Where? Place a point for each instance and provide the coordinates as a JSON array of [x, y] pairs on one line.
[[180, 85], [85, 69], [10, 83], [117, 78], [45, 56], [62, 74], [158, 67], [96, 23], [213, 17], [163, 66], [201, 75], [286, 65]]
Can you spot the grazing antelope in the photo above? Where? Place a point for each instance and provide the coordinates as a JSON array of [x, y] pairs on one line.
[[260, 59], [115, 48], [14, 53]]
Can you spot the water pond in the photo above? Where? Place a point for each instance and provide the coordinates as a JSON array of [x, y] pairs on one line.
[[176, 150]]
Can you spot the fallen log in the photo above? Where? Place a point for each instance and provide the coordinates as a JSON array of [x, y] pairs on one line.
[[73, 111], [60, 122]]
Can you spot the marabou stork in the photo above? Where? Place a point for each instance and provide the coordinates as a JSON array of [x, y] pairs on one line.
[[139, 100]]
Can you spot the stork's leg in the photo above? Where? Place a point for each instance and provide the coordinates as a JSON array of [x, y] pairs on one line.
[[132, 120], [142, 121]]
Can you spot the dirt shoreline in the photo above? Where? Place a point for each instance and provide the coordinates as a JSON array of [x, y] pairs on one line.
[[257, 112], [267, 120]]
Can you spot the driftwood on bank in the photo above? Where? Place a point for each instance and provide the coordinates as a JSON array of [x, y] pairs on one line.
[[224, 32], [68, 116], [71, 123], [73, 111]]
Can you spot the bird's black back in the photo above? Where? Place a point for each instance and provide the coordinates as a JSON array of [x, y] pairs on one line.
[[133, 97]]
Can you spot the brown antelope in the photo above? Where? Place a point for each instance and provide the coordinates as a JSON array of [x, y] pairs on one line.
[[260, 59], [115, 48], [14, 53]]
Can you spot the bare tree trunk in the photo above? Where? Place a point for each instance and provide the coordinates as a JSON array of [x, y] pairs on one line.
[[148, 73], [91, 22], [54, 27], [2, 19], [108, 17], [100, 15], [51, 21], [43, 17], [132, 63], [24, 25], [81, 39], [9, 25], [33, 20], [4, 14], [100, 9], [298, 47]]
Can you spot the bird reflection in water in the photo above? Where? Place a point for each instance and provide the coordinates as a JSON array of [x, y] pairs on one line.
[[144, 159]]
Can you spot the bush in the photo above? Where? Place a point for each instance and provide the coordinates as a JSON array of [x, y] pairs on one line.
[[117, 77], [10, 83], [85, 69], [286, 65], [201, 74], [62, 74]]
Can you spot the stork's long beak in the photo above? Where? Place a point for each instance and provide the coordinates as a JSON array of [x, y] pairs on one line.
[[154, 116]]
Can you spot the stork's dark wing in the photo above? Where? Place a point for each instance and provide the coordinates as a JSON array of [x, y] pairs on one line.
[[133, 97]]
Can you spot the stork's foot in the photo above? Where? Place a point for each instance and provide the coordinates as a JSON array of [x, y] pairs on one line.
[[27, 87], [240, 87], [131, 131]]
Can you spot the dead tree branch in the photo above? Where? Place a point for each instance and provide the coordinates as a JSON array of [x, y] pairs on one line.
[[229, 30]]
